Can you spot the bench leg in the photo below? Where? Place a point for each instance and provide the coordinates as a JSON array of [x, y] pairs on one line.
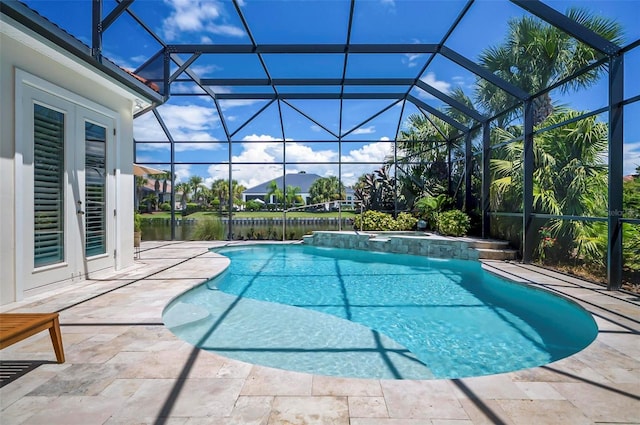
[[56, 339]]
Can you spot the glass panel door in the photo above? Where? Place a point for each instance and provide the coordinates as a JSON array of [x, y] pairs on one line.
[[48, 182], [95, 179]]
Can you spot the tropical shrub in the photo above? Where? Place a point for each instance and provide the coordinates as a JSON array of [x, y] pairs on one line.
[[137, 221], [252, 205], [428, 207], [374, 220], [190, 208], [453, 223], [405, 221], [208, 229], [165, 206]]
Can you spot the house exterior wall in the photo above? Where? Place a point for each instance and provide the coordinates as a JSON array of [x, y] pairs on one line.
[[25, 53]]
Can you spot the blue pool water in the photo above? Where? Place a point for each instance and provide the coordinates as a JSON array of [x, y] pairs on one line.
[[375, 315]]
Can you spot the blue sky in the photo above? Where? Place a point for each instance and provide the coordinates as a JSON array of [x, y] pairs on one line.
[[195, 121]]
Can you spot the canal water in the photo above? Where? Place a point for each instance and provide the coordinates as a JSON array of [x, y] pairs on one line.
[[245, 229]]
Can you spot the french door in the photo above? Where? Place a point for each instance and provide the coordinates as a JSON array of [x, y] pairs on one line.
[[68, 190]]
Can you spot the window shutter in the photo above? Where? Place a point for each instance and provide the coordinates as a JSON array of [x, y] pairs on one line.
[[48, 177], [95, 189]]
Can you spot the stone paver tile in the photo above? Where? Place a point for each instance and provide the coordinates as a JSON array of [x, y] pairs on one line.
[[422, 399], [251, 410], [599, 353], [367, 407], [485, 412], [601, 404], [492, 387], [23, 408], [543, 412], [79, 380], [619, 375], [122, 388], [153, 364], [17, 389], [388, 421], [77, 410], [182, 398], [146, 421], [539, 391], [233, 369], [267, 381], [207, 397], [450, 422], [332, 385], [309, 411]]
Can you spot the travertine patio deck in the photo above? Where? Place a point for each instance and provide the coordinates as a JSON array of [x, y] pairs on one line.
[[124, 367]]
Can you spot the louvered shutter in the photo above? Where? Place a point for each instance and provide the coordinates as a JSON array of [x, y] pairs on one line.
[[95, 189], [48, 177]]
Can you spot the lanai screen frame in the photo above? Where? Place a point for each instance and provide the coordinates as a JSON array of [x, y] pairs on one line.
[[613, 57]]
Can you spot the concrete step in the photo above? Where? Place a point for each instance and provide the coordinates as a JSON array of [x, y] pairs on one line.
[[488, 244], [497, 254]]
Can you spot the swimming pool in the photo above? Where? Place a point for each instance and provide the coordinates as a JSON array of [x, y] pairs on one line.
[[375, 315]]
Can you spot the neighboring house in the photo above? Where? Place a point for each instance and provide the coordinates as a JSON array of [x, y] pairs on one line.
[[66, 156], [301, 180]]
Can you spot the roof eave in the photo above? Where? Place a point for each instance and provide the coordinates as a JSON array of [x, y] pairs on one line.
[[41, 26]]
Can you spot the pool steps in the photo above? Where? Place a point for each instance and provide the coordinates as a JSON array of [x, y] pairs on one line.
[[417, 243]]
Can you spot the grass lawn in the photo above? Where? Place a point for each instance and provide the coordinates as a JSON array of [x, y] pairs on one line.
[[258, 214]]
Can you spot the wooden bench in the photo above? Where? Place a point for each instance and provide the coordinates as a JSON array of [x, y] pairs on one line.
[[15, 327]]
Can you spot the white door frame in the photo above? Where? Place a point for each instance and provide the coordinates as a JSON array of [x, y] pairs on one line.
[[77, 110]]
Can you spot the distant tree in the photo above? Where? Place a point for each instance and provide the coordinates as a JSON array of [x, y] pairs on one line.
[[376, 190], [194, 184], [275, 191], [183, 189], [536, 55], [141, 182], [292, 196], [326, 189]]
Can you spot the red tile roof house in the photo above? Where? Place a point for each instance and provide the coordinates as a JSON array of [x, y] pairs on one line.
[[66, 158]]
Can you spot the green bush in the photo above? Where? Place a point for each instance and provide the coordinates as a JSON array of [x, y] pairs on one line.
[[453, 223], [208, 229], [137, 221], [429, 207], [405, 221], [252, 205], [165, 206], [376, 220], [191, 208]]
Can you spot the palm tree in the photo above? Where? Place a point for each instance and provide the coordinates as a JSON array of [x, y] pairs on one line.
[[275, 191], [183, 189], [194, 185], [220, 189], [141, 182], [536, 55], [326, 189], [570, 176], [292, 195]]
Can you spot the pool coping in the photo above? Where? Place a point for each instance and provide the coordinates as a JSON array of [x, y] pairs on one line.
[[123, 366]]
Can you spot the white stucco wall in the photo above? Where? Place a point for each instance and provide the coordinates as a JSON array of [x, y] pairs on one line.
[[20, 49]]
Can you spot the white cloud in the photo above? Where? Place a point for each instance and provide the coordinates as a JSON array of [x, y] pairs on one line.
[[185, 123], [430, 79], [196, 16], [372, 152], [146, 127], [271, 151], [365, 130], [183, 172], [316, 128]]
